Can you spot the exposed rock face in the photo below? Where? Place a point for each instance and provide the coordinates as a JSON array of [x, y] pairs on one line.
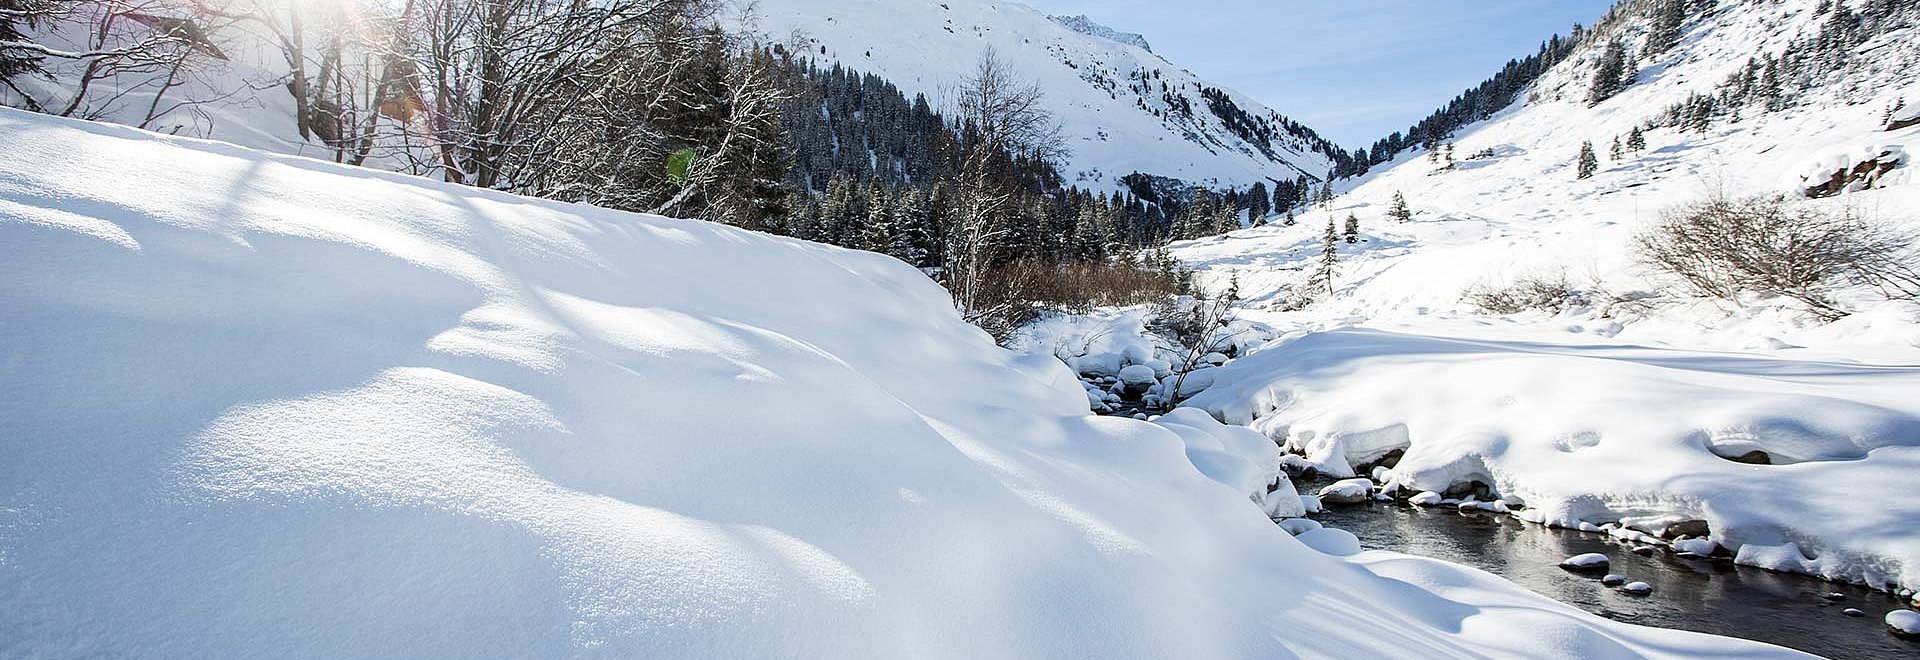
[[1860, 175]]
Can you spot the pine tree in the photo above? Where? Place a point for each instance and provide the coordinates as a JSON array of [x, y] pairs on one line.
[[1607, 76], [1637, 140], [913, 228], [1615, 151], [1400, 211], [1259, 203], [878, 234], [1322, 278], [1667, 19], [1289, 221], [1353, 228], [1589, 164]]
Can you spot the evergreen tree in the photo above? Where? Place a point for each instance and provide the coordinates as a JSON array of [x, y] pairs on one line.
[[1289, 221], [1637, 140], [1615, 151], [878, 234], [1668, 17], [913, 228], [1400, 212], [1259, 204], [1353, 228], [1609, 73], [1322, 278], [1589, 164]]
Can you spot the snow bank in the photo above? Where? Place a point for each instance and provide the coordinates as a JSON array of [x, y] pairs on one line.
[[254, 406], [1591, 431]]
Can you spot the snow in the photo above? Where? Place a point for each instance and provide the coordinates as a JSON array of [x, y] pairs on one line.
[[1426, 498], [1629, 404], [261, 406], [1137, 375], [1338, 542]]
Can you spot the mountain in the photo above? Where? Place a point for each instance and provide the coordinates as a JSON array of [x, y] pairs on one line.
[[1084, 24], [1512, 335], [1124, 109]]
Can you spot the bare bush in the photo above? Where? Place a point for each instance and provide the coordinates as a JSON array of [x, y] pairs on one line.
[[1723, 248], [1547, 293]]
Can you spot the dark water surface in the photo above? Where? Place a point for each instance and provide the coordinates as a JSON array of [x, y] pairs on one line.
[[1700, 595]]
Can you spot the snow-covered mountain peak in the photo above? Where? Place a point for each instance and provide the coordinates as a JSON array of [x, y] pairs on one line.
[[1084, 24], [1124, 109]]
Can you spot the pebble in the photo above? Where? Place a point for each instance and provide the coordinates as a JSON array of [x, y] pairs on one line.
[[1833, 597], [1853, 612], [1613, 580], [1643, 550], [1637, 589]]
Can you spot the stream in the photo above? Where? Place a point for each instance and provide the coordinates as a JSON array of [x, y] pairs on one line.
[[1703, 595]]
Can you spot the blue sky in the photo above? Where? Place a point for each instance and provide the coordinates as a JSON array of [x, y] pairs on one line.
[[1354, 70]]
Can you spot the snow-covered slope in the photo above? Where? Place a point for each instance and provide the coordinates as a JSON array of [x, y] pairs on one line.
[[1627, 405], [1123, 108], [261, 406]]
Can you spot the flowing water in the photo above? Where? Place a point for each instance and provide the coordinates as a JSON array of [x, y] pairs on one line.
[[1707, 596]]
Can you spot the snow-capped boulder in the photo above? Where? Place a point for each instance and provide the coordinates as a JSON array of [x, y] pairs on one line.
[[1426, 498], [1905, 623], [1347, 491], [1589, 562]]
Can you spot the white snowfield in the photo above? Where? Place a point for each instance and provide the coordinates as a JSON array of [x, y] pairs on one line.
[[259, 406], [1106, 114], [1627, 406]]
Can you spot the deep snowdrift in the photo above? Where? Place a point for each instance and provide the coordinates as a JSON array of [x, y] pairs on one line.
[[256, 406]]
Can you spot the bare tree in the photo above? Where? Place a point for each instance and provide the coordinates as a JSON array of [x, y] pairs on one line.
[[1009, 111]]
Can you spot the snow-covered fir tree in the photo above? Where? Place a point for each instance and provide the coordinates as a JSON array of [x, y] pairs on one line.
[[1400, 212]]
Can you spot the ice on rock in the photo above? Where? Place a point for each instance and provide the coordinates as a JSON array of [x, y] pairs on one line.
[[1311, 503]]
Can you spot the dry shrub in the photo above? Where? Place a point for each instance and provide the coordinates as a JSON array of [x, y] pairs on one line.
[[1723, 248], [1012, 295], [1547, 293]]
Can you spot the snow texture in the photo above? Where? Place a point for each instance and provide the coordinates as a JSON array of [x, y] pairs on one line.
[[261, 406]]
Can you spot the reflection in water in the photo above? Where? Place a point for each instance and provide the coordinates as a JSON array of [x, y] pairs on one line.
[[1699, 595]]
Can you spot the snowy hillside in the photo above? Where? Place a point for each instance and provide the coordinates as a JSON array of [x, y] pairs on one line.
[[260, 406], [1124, 109], [1633, 405]]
